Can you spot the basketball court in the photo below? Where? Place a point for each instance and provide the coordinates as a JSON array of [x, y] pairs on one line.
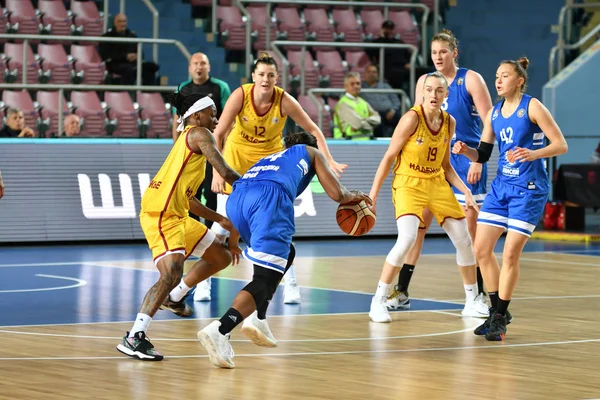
[[63, 309]]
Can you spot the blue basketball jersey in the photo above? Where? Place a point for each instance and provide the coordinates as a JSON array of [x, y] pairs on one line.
[[291, 168], [459, 104], [518, 131]]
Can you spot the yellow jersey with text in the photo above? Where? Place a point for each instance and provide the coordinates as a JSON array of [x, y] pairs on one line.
[[255, 133], [177, 181], [423, 153]]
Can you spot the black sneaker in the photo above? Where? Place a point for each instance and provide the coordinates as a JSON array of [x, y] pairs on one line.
[[483, 328], [179, 308], [497, 328], [139, 347]]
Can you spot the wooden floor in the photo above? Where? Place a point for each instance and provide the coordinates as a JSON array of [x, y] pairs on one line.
[[551, 351]]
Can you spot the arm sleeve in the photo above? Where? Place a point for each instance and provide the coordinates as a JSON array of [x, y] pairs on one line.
[[485, 151]]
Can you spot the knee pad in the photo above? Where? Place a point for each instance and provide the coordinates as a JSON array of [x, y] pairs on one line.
[[408, 227], [458, 232], [264, 284]]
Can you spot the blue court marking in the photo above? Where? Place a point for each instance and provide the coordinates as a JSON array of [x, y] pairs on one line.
[[115, 294]]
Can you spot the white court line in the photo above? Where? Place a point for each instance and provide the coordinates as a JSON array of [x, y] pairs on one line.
[[80, 282], [583, 296], [326, 353], [154, 321], [248, 341]]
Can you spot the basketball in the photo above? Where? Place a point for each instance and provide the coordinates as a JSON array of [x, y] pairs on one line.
[[355, 219]]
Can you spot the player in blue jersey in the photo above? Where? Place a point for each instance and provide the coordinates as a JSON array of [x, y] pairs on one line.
[[261, 206], [468, 97], [520, 124]]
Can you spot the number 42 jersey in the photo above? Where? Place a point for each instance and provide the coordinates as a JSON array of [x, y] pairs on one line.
[[517, 130]]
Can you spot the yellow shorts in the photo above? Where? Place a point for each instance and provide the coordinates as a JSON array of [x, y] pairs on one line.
[[168, 234], [241, 158], [411, 195]]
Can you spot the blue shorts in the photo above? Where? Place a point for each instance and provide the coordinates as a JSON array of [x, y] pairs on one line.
[[512, 207], [461, 165], [263, 214]]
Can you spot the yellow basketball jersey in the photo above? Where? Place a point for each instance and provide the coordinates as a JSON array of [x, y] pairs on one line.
[[177, 181], [256, 133], [423, 153]]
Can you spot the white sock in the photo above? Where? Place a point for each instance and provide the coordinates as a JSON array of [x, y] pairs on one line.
[[179, 291], [141, 324], [382, 289], [290, 276], [471, 291]]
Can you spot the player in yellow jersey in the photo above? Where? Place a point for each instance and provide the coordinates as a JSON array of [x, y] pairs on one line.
[[171, 233], [259, 111], [420, 147]]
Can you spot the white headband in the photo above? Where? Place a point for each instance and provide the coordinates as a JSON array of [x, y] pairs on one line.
[[200, 105]]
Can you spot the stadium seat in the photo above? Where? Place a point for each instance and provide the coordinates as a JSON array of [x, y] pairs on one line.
[[87, 61], [232, 30], [406, 27], [347, 27], [54, 64], [311, 72], [48, 108], [121, 109], [357, 61], [22, 18], [372, 20], [87, 105], [87, 19], [259, 30], [290, 25], [55, 19], [153, 109], [13, 53], [312, 110], [331, 66], [318, 26]]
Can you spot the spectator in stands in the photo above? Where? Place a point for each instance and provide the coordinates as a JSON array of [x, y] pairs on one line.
[[15, 125], [353, 117], [71, 125], [121, 58], [386, 104], [396, 61]]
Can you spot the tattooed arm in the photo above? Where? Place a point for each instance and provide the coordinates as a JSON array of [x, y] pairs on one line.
[[201, 141]]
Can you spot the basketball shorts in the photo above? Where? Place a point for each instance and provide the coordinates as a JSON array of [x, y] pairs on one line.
[[168, 233], [411, 195], [263, 214], [512, 207], [240, 158], [461, 165]]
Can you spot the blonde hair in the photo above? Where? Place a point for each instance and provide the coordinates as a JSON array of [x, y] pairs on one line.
[[436, 74], [448, 37], [520, 67]]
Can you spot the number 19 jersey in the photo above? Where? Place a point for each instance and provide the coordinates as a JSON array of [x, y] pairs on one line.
[[424, 151]]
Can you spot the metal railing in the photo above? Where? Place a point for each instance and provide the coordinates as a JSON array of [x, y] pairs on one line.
[[321, 106], [561, 34], [552, 60], [380, 46], [386, 6], [139, 42], [103, 88], [155, 20]]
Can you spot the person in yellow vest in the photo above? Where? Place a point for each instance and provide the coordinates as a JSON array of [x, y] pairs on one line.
[[259, 111], [421, 178], [354, 118], [171, 233]]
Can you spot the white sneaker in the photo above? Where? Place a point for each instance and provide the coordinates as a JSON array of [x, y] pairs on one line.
[[379, 311], [291, 293], [258, 331], [217, 345], [398, 300], [202, 292], [476, 308]]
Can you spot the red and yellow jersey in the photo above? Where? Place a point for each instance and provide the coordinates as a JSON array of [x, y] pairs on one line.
[[177, 181], [258, 134], [424, 151]]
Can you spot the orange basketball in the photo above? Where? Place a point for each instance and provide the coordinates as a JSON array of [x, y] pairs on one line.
[[355, 219]]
